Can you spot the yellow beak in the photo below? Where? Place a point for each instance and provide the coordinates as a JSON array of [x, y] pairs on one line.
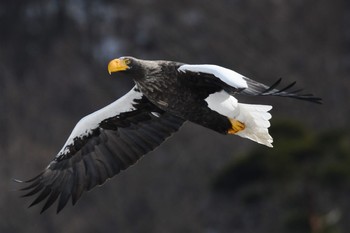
[[117, 65]]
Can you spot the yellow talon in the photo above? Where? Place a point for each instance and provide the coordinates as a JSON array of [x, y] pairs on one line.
[[236, 126]]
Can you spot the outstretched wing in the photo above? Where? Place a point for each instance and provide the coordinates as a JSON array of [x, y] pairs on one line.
[[101, 145], [235, 83], [259, 89]]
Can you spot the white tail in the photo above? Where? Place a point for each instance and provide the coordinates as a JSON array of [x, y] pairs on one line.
[[255, 117]]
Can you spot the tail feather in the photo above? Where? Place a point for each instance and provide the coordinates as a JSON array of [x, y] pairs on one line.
[[256, 119]]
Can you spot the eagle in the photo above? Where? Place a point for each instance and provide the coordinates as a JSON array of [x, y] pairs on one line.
[[166, 94]]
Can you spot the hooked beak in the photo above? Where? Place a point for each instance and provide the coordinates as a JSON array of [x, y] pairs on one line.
[[117, 65]]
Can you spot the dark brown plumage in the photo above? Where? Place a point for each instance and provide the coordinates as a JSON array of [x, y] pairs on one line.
[[166, 94]]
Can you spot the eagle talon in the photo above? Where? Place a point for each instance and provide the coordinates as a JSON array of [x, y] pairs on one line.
[[236, 127]]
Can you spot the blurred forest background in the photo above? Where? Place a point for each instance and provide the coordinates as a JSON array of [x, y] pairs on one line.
[[53, 58]]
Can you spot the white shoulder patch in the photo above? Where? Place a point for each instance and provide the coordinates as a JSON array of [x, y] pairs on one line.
[[92, 121], [223, 103], [228, 76]]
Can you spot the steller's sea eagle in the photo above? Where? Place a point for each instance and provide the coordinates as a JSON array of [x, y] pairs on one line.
[[165, 95]]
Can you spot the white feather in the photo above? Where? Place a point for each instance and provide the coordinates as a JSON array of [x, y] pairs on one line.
[[255, 117], [228, 76], [92, 121]]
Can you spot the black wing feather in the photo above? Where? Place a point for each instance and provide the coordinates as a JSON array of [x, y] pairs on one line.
[[212, 84], [115, 145], [259, 89]]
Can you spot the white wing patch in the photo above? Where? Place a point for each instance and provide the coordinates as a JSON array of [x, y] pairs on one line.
[[228, 76], [223, 103], [255, 117], [92, 121]]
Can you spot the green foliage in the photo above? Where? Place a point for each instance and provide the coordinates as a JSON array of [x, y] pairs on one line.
[[297, 222], [301, 169]]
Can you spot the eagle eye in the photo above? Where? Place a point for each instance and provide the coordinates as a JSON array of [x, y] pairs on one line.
[[127, 61]]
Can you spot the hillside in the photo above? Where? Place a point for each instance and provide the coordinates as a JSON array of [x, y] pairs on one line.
[[53, 58]]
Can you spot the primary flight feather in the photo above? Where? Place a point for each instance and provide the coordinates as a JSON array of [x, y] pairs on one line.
[[165, 95]]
